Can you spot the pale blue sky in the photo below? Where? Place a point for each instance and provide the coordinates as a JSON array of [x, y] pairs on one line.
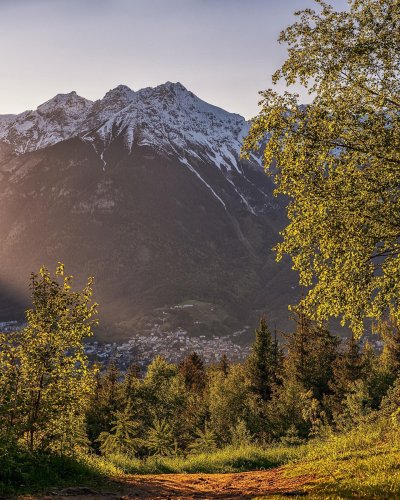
[[222, 50]]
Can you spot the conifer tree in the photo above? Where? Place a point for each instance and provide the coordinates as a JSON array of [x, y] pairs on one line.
[[350, 378], [131, 381], [311, 351], [192, 369], [390, 359], [160, 439], [205, 441], [123, 436], [227, 401], [105, 402], [164, 397], [223, 364], [264, 362], [348, 367]]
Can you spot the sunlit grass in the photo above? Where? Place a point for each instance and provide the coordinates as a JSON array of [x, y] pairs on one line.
[[364, 462], [226, 460]]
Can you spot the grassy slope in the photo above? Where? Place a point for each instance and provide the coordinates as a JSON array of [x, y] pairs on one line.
[[364, 462]]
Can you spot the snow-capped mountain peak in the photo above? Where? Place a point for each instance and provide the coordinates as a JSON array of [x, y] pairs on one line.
[[169, 118], [69, 103], [53, 121]]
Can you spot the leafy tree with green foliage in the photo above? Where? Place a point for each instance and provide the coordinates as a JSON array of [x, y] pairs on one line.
[[337, 159], [49, 373], [10, 402]]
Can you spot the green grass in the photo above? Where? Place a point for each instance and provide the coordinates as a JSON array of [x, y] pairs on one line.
[[22, 472], [226, 460], [362, 463]]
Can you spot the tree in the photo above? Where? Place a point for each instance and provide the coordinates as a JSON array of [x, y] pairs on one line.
[[338, 158], [227, 401], [160, 439], [164, 398], [311, 351], [123, 435], [351, 376], [240, 435], [348, 367], [192, 369], [263, 363], [205, 442], [389, 330], [48, 371], [223, 364], [105, 402]]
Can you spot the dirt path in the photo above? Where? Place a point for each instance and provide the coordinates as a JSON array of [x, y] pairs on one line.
[[164, 486]]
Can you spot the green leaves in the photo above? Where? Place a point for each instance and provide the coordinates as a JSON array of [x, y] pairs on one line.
[[44, 366], [338, 158]]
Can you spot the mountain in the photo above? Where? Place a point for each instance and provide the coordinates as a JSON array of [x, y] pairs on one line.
[[147, 192]]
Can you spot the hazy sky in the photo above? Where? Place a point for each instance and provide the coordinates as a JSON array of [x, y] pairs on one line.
[[222, 50]]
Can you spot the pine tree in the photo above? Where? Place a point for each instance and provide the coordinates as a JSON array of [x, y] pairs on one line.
[[240, 434], [223, 364], [311, 351], [123, 436], [348, 367], [264, 362], [205, 441], [389, 331], [131, 381], [192, 369], [227, 401], [106, 401], [160, 439]]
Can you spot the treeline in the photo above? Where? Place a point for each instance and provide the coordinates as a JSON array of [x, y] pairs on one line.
[[319, 385], [53, 401]]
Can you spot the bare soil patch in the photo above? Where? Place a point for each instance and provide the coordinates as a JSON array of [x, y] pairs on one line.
[[187, 486]]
